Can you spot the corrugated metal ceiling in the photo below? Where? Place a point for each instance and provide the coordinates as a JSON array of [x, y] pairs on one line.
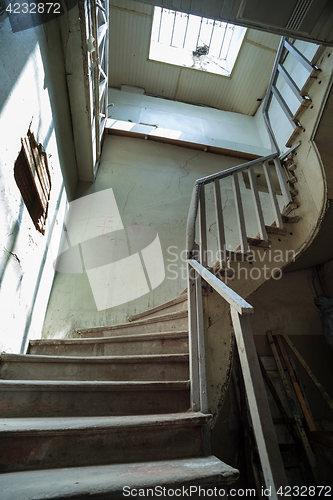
[[130, 27]]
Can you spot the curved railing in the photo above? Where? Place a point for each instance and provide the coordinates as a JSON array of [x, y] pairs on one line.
[[270, 457]]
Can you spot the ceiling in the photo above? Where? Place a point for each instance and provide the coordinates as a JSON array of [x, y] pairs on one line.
[[130, 28]]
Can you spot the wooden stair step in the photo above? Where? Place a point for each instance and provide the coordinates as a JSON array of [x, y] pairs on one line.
[[161, 323], [108, 481], [153, 343], [302, 107], [289, 208], [276, 230], [116, 368], [313, 76], [177, 304], [35, 398], [43, 443], [256, 242], [290, 219], [294, 134]]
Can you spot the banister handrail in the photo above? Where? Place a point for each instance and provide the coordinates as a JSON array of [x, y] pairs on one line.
[[235, 300], [197, 262], [275, 155]]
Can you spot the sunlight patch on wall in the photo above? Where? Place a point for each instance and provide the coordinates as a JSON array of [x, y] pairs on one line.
[[195, 42]]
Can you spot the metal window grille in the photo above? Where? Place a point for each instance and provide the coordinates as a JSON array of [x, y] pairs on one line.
[[33, 179], [186, 31]]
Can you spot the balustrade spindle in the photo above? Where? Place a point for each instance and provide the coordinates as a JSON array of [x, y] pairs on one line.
[[220, 225], [257, 205], [271, 189], [239, 213]]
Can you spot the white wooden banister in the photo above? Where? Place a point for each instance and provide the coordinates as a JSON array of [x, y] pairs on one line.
[[202, 227], [269, 453], [235, 300], [220, 225]]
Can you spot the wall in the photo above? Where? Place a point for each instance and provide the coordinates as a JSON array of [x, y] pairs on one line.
[[185, 122], [33, 89], [152, 184]]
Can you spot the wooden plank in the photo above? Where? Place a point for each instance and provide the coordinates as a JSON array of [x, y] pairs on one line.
[[297, 388], [278, 402], [201, 346], [193, 344], [241, 306], [220, 225], [202, 226], [305, 442], [268, 448], [239, 213], [271, 189], [308, 370], [257, 204]]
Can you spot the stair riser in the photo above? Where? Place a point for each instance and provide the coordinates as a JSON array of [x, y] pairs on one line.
[[164, 346], [94, 371], [98, 448], [154, 327], [60, 403]]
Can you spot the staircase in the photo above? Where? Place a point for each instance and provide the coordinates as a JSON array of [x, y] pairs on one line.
[[87, 416]]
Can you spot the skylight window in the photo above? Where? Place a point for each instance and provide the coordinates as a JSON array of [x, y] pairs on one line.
[[195, 42]]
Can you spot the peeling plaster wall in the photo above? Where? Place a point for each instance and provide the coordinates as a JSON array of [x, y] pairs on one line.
[[152, 183], [33, 89]]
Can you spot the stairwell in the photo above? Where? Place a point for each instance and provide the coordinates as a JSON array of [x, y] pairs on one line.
[[106, 409], [113, 405]]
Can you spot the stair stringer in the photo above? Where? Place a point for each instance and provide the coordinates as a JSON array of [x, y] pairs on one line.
[[312, 203]]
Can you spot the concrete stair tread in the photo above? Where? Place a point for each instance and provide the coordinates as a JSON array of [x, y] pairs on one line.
[[170, 303], [133, 324], [120, 338], [99, 481], [151, 367], [65, 425], [100, 386], [42, 358]]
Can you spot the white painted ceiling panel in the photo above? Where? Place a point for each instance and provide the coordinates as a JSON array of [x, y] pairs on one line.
[[130, 28]]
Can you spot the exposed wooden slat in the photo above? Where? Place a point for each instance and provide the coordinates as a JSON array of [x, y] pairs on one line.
[[308, 370], [202, 226], [268, 448], [271, 189], [297, 388], [301, 431], [239, 213], [220, 225], [227, 293], [257, 204]]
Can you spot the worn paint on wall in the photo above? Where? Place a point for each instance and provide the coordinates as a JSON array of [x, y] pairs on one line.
[[152, 184], [33, 90]]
